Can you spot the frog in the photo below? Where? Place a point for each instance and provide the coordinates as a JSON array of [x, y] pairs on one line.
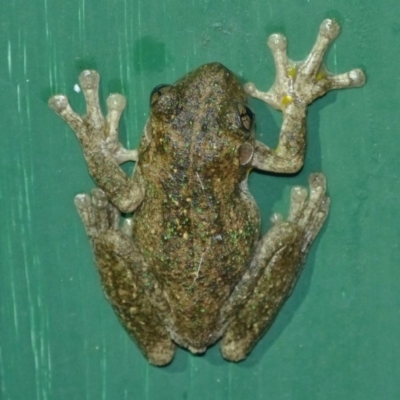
[[178, 242]]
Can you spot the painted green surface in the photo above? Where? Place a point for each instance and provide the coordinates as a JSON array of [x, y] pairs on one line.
[[338, 335]]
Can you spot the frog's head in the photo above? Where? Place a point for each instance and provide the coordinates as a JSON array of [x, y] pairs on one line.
[[206, 110]]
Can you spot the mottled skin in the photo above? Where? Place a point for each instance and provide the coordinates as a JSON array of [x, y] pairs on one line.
[[190, 266], [197, 223]]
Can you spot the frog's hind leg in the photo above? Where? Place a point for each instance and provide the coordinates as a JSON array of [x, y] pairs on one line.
[[273, 272], [123, 275]]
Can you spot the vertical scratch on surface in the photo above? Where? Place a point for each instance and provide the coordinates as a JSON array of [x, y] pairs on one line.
[[103, 371], [121, 69], [29, 264], [46, 27], [28, 112], [230, 380], [42, 354], [80, 23], [2, 374], [192, 375], [25, 215], [25, 60], [46, 20], [29, 122], [27, 93], [85, 350], [9, 58], [139, 20], [139, 29], [9, 250], [32, 318], [146, 382], [48, 361], [18, 99], [126, 53], [83, 16], [43, 337], [271, 9], [14, 301], [27, 197], [81, 19], [127, 43], [120, 63]]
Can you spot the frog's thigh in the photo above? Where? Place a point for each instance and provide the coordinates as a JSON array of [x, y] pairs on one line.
[[117, 260], [275, 267]]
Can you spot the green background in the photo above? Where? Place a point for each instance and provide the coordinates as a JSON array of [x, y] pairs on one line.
[[337, 337]]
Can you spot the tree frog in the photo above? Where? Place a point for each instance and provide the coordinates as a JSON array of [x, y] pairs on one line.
[[189, 267]]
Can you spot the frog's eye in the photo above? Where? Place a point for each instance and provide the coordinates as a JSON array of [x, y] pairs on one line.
[[157, 92], [246, 116]]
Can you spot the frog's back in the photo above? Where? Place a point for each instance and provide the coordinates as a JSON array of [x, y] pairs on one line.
[[197, 225]]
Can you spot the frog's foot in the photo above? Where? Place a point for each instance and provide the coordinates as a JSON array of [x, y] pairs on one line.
[[273, 272], [97, 213], [93, 130], [309, 216], [302, 82]]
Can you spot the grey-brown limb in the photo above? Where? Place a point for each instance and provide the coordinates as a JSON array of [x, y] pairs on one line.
[[297, 85], [124, 277], [99, 140], [274, 270]]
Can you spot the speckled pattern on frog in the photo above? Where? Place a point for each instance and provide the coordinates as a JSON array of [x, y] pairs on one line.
[[190, 267]]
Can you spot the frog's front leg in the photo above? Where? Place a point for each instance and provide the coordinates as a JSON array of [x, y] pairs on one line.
[[127, 283], [297, 85], [99, 139], [276, 265]]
